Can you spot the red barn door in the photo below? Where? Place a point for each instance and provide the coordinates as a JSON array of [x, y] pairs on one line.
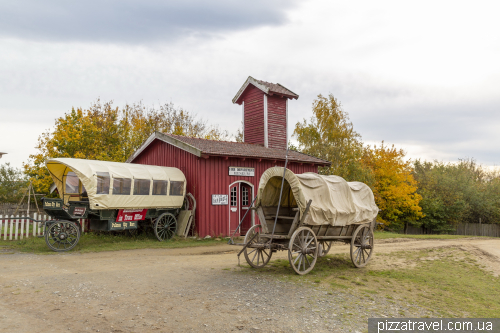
[[246, 200], [240, 199], [234, 208]]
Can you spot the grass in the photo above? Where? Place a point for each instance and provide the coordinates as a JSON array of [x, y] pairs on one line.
[[446, 281], [386, 235], [108, 242]]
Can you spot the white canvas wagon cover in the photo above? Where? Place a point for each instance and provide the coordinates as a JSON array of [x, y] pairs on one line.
[[334, 201], [86, 170]]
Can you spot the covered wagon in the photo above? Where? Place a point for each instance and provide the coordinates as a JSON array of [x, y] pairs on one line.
[[112, 196], [304, 213]]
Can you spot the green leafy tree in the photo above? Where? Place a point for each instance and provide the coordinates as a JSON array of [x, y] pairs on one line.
[[105, 132], [329, 134], [453, 193], [13, 184]]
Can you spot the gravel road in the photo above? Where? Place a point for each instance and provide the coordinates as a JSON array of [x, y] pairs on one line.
[[186, 290]]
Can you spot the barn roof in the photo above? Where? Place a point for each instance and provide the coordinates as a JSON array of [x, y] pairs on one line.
[[206, 148], [267, 87]]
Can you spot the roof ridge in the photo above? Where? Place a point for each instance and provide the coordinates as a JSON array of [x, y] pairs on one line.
[[193, 137]]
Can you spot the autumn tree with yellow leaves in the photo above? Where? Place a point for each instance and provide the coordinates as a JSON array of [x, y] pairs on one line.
[[329, 134], [108, 133], [394, 187]]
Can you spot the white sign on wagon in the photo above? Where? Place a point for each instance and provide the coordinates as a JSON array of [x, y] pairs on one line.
[[241, 171], [219, 199]]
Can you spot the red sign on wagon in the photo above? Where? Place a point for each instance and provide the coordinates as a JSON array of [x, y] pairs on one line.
[[126, 215]]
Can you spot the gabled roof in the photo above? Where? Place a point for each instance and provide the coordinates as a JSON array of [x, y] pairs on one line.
[[206, 148], [266, 87]]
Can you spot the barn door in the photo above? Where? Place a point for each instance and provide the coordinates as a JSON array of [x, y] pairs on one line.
[[245, 201], [234, 207]]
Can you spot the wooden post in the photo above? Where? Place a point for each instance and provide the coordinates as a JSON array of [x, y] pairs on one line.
[[22, 229], [11, 226], [6, 228], [16, 227], [34, 225]]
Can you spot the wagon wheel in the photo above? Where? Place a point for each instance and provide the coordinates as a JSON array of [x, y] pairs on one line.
[[303, 250], [256, 257], [324, 248], [362, 245], [165, 227], [62, 236]]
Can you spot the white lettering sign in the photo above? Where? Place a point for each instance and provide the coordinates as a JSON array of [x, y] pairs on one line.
[[241, 171], [219, 199]]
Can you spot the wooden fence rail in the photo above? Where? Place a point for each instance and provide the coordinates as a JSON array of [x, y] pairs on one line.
[[16, 228], [466, 229]]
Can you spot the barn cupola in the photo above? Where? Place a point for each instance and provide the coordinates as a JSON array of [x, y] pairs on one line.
[[265, 112]]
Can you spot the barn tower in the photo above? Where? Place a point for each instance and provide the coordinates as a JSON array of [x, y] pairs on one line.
[[264, 112]]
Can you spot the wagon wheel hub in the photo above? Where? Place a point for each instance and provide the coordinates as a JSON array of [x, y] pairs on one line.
[[62, 235]]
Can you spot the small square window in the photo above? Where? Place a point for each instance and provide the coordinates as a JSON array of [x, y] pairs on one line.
[[160, 187], [176, 188], [122, 186], [141, 186]]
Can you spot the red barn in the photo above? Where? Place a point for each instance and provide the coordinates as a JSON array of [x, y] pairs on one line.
[[224, 176]]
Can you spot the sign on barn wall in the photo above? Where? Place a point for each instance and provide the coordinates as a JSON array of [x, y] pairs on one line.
[[219, 199], [241, 171]]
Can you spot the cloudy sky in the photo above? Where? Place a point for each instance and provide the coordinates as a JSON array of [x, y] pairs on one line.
[[423, 75]]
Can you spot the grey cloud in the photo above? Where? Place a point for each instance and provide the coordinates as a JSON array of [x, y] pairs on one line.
[[133, 21]]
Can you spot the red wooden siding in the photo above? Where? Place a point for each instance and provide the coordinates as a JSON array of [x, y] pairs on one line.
[[276, 128], [210, 176], [162, 154], [215, 179], [254, 115]]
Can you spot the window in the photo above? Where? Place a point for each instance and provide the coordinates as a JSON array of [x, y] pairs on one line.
[[141, 186], [177, 188], [102, 183], [233, 196], [121, 186], [244, 196], [71, 183], [160, 187]]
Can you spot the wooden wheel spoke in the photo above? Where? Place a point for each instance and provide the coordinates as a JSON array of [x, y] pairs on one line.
[[308, 262], [257, 252]]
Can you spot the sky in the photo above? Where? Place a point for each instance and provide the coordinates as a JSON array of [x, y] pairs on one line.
[[424, 76]]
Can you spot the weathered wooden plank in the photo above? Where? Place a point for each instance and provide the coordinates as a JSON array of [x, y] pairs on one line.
[[306, 211], [262, 219], [295, 222]]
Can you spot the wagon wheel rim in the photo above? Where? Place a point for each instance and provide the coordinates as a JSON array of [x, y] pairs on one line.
[[362, 246], [303, 250], [324, 248], [256, 257], [62, 236], [165, 226]]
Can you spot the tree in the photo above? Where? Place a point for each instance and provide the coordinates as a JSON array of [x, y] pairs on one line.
[[394, 186], [330, 135], [105, 132], [12, 184], [457, 193]]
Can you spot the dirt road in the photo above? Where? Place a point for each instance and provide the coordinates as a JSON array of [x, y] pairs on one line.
[[184, 290]]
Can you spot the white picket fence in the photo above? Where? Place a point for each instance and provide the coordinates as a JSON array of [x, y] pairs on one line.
[[16, 228]]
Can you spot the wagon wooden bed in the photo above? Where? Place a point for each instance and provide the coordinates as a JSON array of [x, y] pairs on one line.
[[311, 212]]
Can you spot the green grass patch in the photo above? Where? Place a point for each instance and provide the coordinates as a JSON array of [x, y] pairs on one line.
[[91, 242], [386, 235], [438, 280]]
